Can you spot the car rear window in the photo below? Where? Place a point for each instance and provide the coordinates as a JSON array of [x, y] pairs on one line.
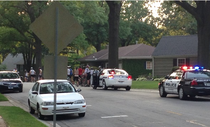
[[197, 74], [8, 76], [117, 72]]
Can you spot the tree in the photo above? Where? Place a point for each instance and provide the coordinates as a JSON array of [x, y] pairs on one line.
[[114, 19], [201, 13]]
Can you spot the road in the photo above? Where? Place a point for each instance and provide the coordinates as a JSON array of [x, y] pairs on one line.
[[135, 108]]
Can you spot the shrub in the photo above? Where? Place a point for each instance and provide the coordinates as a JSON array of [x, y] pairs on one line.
[[3, 67]]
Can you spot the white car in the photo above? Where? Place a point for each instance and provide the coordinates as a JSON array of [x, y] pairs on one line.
[[115, 78], [68, 100]]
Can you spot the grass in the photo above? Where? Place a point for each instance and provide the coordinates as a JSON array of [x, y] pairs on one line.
[[3, 98], [145, 85], [17, 117]]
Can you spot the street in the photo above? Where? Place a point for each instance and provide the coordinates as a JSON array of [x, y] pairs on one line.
[[134, 108]]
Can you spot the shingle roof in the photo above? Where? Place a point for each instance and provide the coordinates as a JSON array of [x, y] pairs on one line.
[[137, 51], [170, 46]]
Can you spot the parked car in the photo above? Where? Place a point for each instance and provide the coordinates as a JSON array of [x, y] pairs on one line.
[[68, 100], [114, 78], [10, 81], [186, 82]]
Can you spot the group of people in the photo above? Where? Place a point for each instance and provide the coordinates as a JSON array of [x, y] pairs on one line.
[[83, 76], [31, 75]]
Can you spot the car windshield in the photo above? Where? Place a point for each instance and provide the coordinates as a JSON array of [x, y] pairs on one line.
[[8, 76], [198, 74], [62, 87]]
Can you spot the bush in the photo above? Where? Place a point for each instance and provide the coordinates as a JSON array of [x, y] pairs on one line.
[[3, 67]]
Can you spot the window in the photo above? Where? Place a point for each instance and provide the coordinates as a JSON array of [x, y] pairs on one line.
[[149, 65], [181, 62]]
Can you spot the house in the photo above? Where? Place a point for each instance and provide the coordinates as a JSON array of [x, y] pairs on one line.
[[174, 51], [135, 59], [12, 62]]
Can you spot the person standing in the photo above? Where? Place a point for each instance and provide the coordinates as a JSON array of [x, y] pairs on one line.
[[91, 75], [69, 73], [32, 74], [87, 74], [40, 73], [26, 76], [80, 75], [76, 76]]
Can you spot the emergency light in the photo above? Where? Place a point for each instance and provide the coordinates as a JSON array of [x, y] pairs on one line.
[[190, 67]]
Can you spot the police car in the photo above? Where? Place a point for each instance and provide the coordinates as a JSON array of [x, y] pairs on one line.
[[186, 82]]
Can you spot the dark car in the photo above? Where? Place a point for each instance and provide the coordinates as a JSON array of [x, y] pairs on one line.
[[186, 82], [10, 81]]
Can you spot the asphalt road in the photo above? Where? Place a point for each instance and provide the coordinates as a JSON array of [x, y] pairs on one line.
[[135, 108]]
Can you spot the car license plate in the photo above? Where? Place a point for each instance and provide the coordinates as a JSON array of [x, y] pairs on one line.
[[10, 87], [207, 84], [121, 81]]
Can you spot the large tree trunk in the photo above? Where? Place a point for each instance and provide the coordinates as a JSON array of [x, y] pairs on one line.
[[114, 19]]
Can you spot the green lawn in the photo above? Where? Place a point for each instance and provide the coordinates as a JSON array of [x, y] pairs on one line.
[[17, 117], [145, 85]]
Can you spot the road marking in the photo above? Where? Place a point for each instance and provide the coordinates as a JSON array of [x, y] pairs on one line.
[[174, 113], [196, 123], [114, 116]]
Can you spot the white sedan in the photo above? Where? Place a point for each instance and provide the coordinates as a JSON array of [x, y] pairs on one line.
[[115, 78], [68, 100]]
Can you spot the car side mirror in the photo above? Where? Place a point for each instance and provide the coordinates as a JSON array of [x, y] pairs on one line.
[[34, 92], [79, 90]]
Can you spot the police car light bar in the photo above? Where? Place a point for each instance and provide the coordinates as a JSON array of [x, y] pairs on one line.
[[190, 67]]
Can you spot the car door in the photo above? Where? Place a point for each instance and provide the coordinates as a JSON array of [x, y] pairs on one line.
[[33, 97]]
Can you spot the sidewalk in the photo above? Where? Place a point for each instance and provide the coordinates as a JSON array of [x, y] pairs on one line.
[[4, 103]]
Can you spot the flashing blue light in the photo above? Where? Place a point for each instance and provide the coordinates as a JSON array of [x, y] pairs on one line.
[[196, 67]]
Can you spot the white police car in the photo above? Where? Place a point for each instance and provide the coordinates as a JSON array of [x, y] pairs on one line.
[[186, 82]]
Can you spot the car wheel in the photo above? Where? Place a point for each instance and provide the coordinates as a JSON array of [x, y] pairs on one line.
[[94, 87], [21, 89], [128, 88], [81, 114], [104, 87], [182, 95], [31, 110], [162, 92], [39, 114]]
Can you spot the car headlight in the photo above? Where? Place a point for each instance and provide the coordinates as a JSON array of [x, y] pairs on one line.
[[47, 103], [79, 102]]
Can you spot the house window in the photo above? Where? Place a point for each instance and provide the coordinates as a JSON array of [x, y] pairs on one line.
[[181, 62], [149, 65]]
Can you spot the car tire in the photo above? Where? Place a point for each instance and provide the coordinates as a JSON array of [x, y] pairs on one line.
[[128, 88], [162, 92], [94, 87], [39, 114], [182, 95], [104, 87], [21, 89], [81, 114], [31, 110], [115, 88]]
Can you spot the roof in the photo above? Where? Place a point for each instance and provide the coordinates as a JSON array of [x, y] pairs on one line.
[[138, 51], [177, 46]]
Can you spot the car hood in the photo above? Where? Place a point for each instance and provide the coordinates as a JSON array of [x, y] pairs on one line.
[[10, 80], [62, 97]]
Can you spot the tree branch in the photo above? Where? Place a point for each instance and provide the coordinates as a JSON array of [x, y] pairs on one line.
[[190, 9]]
